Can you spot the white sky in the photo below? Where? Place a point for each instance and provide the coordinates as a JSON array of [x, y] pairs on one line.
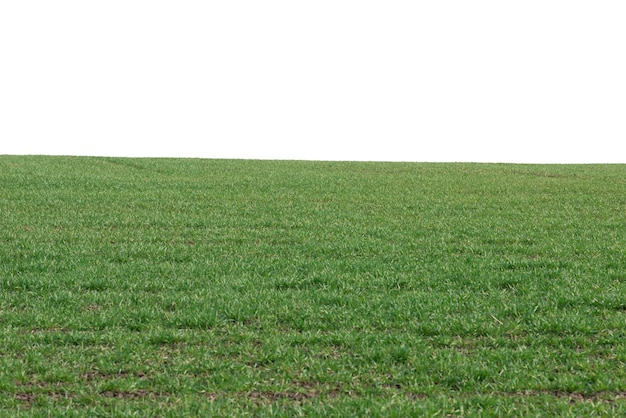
[[440, 80]]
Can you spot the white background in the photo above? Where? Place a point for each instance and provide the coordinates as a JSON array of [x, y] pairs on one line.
[[439, 80]]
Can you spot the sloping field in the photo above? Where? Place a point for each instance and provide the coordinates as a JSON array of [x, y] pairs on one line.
[[218, 287]]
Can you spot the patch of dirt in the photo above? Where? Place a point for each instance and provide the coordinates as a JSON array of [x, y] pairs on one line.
[[309, 390], [334, 393], [29, 398], [574, 397], [270, 396], [417, 396], [41, 385], [211, 396], [315, 389], [61, 395], [25, 397], [126, 394], [97, 375]]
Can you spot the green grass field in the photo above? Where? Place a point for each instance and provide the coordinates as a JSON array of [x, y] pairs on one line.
[[156, 287]]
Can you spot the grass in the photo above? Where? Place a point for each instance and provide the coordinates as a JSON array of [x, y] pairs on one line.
[[178, 287]]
